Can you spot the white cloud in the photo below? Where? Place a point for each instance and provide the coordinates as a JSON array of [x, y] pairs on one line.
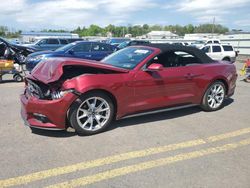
[[211, 5], [205, 11], [69, 14], [242, 22]]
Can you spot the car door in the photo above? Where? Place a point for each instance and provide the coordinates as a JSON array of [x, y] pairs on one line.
[[63, 42], [216, 52], [42, 44], [81, 50], [174, 85], [52, 44], [99, 51]]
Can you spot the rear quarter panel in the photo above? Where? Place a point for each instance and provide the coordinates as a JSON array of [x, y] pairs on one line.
[[216, 71]]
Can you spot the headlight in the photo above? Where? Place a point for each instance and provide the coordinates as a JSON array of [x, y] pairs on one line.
[[37, 58], [60, 94]]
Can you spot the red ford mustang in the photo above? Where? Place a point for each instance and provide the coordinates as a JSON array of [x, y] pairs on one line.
[[88, 95]]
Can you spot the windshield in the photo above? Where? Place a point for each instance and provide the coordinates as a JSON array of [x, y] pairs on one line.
[[66, 47], [111, 41], [128, 58], [123, 45]]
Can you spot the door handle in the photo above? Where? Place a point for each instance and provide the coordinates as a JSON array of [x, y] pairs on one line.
[[87, 55]]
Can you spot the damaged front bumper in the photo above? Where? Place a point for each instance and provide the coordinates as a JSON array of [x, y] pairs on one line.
[[45, 114]]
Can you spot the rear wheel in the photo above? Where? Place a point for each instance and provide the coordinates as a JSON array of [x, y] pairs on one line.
[[18, 78], [92, 113], [226, 59], [214, 97]]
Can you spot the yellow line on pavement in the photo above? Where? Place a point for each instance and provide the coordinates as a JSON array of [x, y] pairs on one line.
[[112, 159], [147, 165], [95, 163], [228, 135]]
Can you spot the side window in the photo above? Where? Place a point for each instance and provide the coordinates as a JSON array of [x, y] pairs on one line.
[[227, 48], [83, 47], [209, 42], [134, 43], [43, 41], [63, 41], [175, 59], [216, 48], [53, 41], [99, 47], [216, 42], [206, 49]]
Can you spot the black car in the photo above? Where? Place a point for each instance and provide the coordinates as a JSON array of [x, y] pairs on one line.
[[14, 52]]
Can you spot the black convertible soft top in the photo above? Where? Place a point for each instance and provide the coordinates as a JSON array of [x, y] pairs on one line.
[[172, 47]]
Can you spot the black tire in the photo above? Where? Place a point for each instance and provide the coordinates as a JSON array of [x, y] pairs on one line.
[[247, 79], [80, 103], [18, 78], [206, 105]]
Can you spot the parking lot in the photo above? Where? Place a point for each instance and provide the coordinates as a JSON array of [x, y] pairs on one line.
[[182, 148]]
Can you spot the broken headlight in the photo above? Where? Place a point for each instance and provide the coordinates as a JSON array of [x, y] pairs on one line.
[[60, 94]]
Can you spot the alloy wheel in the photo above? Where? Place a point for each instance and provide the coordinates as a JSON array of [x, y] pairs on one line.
[[93, 113], [216, 96]]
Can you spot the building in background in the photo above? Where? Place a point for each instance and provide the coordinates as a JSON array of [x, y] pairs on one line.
[[201, 36], [32, 36], [161, 35]]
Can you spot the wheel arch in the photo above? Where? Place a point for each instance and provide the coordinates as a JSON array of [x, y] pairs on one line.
[[109, 94], [223, 80], [226, 58]]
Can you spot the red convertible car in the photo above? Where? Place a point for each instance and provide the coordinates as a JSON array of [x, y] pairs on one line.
[[137, 80]]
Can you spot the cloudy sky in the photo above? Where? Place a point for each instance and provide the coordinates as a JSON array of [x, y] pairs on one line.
[[68, 14]]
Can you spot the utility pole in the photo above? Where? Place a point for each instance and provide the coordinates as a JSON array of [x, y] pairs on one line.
[[213, 27]]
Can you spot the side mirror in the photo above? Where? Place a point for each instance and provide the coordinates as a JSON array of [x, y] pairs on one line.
[[155, 67], [71, 52]]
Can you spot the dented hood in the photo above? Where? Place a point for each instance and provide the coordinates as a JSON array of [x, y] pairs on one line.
[[51, 70]]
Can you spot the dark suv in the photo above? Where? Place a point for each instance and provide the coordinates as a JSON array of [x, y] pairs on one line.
[[50, 43]]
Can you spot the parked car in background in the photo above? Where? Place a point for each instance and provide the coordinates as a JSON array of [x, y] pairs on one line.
[[117, 41], [10, 51], [198, 44], [136, 80], [181, 43], [223, 52], [213, 41], [50, 43], [70, 40], [79, 49], [132, 43]]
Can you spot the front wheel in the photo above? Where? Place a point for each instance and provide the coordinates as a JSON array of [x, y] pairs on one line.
[[214, 97], [91, 113]]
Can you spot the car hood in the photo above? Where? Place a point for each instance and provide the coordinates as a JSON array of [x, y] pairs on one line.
[[52, 69], [42, 53]]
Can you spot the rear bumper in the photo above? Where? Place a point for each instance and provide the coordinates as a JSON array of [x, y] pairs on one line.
[[232, 85], [45, 114]]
